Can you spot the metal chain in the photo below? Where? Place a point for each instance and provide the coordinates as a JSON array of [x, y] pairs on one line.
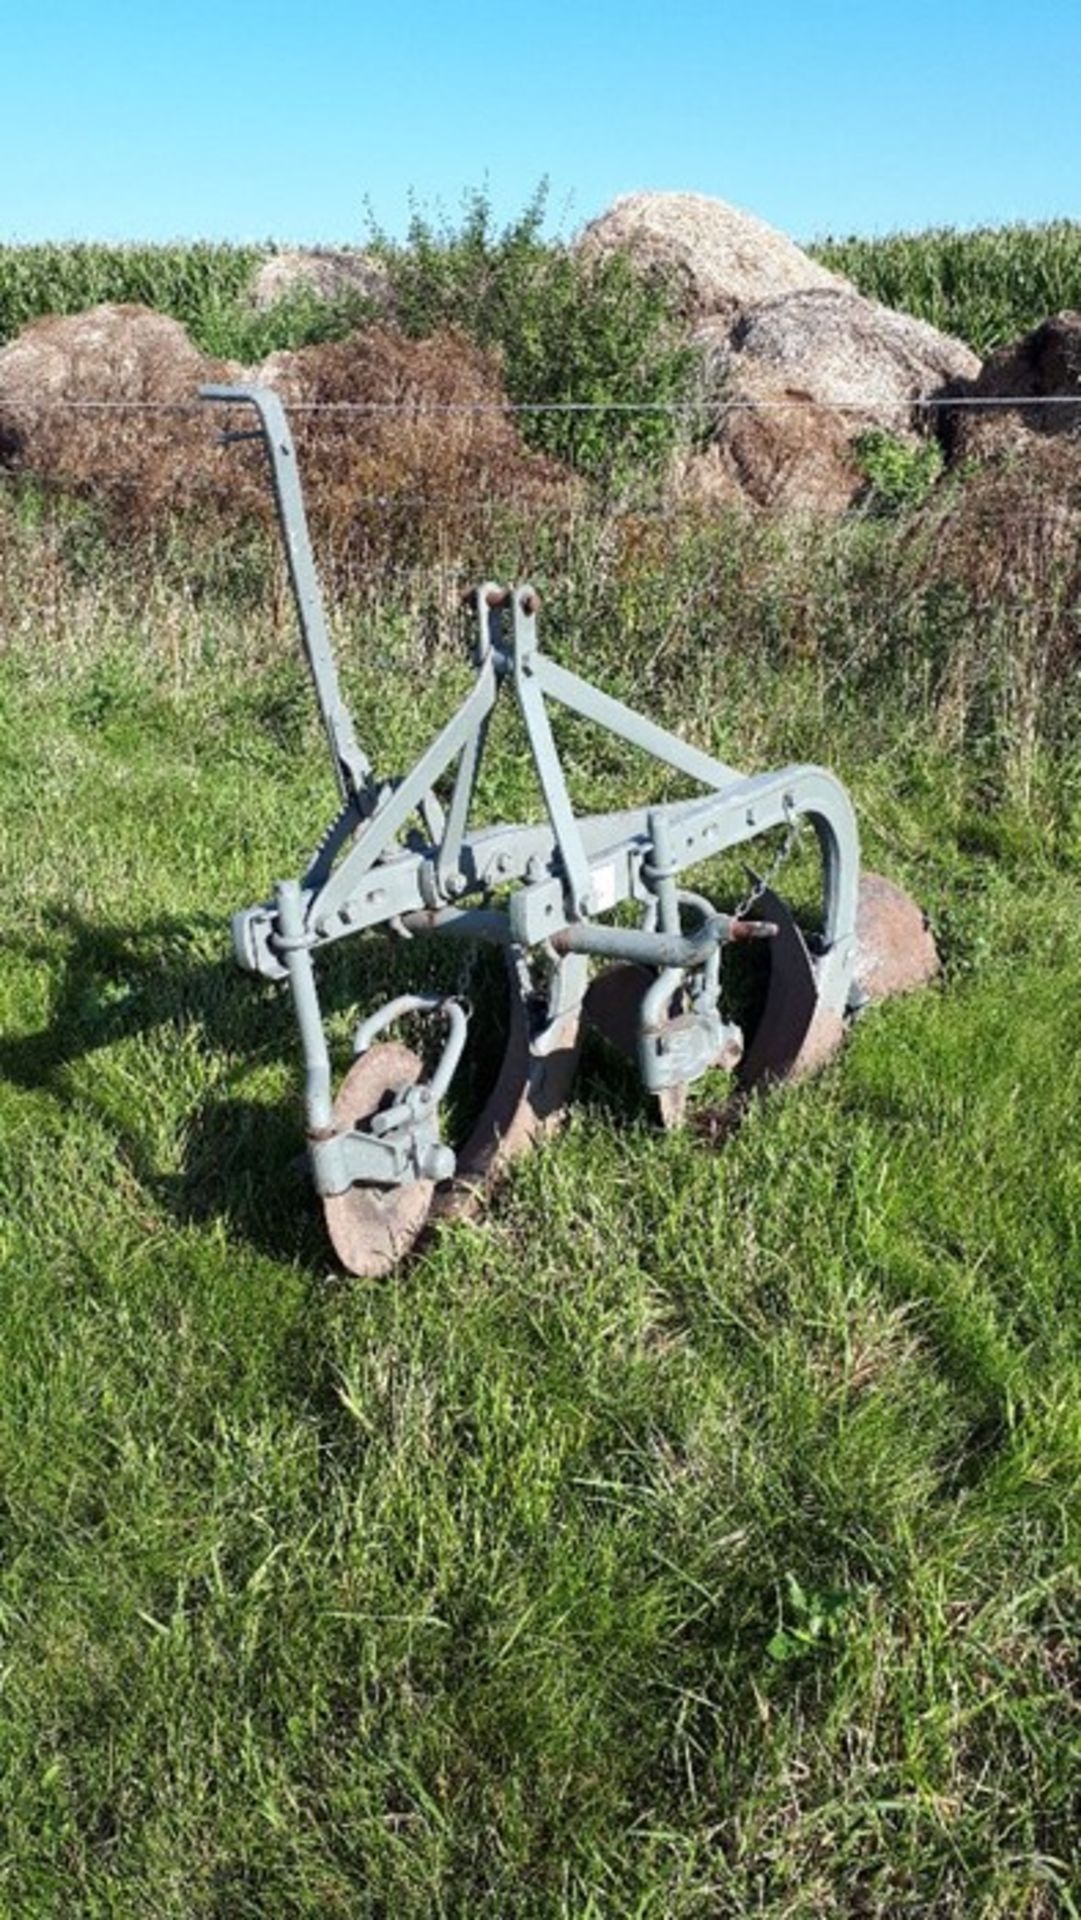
[[762, 881], [466, 969]]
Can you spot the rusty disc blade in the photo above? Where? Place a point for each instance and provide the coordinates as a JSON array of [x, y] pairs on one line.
[[371, 1228], [794, 1034], [895, 950], [525, 1103]]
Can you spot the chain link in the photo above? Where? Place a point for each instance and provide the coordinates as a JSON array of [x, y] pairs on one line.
[[762, 881]]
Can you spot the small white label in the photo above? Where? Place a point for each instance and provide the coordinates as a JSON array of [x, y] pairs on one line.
[[604, 889]]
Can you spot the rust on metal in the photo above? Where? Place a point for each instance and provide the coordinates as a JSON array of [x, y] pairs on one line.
[[371, 1228], [895, 949], [525, 1104], [740, 930]]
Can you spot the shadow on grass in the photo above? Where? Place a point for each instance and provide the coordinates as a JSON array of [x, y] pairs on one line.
[[244, 1159]]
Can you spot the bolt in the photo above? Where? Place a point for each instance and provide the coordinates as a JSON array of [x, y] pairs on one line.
[[439, 1163], [455, 884]]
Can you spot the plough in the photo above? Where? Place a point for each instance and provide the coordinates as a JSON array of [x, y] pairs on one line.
[[401, 854]]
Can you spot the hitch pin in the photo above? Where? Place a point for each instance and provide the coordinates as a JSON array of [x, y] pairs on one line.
[[752, 930]]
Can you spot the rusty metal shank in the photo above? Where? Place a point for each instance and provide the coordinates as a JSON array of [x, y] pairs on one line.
[[659, 949]]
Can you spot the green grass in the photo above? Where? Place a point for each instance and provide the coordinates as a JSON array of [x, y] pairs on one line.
[[694, 1536]]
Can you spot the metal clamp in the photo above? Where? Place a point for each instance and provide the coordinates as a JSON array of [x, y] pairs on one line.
[[400, 1143]]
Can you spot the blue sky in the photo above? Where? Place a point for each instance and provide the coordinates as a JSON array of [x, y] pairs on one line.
[[239, 120]]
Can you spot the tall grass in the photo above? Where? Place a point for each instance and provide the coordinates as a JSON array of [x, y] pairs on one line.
[[194, 282], [986, 285], [203, 285]]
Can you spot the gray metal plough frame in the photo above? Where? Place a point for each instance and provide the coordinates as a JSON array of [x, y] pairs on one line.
[[398, 857]]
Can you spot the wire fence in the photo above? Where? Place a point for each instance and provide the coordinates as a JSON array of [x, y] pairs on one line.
[[737, 403], [653, 497], [704, 421]]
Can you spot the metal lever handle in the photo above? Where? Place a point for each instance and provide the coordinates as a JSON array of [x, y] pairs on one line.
[[351, 768]]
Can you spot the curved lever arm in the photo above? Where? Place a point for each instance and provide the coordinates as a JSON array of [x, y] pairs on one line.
[[351, 767]]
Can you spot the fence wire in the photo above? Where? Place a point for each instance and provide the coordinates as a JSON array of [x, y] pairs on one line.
[[650, 498], [738, 403]]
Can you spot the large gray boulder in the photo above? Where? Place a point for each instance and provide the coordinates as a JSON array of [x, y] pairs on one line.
[[326, 273], [799, 379], [718, 258], [1043, 365]]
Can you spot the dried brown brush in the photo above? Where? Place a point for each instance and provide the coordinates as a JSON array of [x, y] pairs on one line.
[[433, 455], [104, 405], [1009, 533], [1004, 542], [417, 473]]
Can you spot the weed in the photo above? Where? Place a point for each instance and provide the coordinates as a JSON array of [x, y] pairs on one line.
[[899, 475], [809, 1621], [567, 332]]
